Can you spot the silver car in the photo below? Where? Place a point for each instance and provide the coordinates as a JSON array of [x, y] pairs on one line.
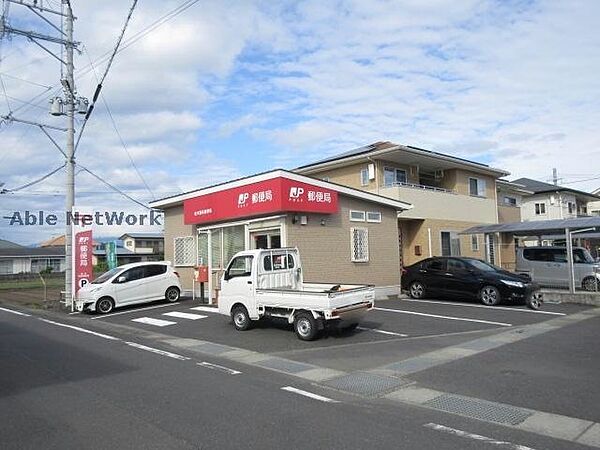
[[548, 266]]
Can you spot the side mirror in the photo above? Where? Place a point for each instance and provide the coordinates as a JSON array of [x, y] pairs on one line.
[[121, 279]]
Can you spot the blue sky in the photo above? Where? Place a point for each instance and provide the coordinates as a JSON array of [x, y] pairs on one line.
[[231, 88]]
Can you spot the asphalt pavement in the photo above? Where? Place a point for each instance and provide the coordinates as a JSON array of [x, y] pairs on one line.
[[87, 381]]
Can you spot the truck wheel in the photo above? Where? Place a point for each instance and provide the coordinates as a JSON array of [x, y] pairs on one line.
[[305, 326], [240, 318]]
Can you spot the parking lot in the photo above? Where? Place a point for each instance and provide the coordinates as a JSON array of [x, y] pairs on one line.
[[395, 330]]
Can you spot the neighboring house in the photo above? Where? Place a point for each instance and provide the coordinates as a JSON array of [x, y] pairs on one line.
[[594, 207], [449, 194], [31, 260], [149, 244], [550, 201], [510, 198]]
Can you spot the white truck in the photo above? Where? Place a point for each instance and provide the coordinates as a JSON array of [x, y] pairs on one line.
[[270, 284]]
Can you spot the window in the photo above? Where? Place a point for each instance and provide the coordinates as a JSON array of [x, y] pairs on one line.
[[155, 269], [129, 243], [240, 267], [571, 207], [374, 216], [510, 201], [456, 265], [137, 273], [392, 177], [185, 254], [474, 243], [450, 243], [477, 187], [435, 264], [359, 245], [278, 262], [357, 216], [540, 208], [6, 266], [364, 177]]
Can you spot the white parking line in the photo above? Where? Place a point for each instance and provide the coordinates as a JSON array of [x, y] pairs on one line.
[[437, 316], [183, 315], [309, 394], [155, 322], [158, 351], [476, 437], [83, 330], [219, 368], [488, 307], [375, 330], [12, 311], [134, 311], [206, 309]]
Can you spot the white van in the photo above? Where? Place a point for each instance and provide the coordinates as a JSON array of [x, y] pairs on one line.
[[548, 266], [128, 285]]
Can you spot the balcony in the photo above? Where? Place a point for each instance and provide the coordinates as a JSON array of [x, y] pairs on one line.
[[432, 202]]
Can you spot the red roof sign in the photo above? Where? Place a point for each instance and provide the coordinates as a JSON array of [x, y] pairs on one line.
[[264, 197]]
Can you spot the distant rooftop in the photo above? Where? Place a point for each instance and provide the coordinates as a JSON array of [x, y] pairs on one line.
[[4, 244], [148, 235], [32, 252], [539, 187]]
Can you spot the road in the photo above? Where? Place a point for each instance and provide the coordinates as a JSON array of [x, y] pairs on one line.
[[80, 382]]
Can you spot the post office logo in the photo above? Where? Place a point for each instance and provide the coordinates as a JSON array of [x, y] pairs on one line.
[[296, 194], [242, 199]]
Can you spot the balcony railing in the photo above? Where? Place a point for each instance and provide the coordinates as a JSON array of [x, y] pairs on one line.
[[420, 186]]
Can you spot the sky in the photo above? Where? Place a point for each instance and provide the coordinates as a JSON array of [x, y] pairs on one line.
[[231, 88]]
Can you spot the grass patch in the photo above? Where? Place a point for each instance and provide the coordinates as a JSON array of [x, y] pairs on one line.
[[31, 284]]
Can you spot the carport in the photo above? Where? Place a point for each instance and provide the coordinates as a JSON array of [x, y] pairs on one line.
[[545, 228]]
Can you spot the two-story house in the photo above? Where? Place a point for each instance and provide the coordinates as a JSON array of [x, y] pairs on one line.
[[449, 195], [150, 246], [550, 201]]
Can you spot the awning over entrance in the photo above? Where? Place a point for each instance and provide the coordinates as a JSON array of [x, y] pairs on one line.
[[538, 227]]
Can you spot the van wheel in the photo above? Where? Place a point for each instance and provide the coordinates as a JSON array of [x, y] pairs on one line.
[[105, 305], [590, 284], [417, 290], [490, 296], [240, 318], [305, 326], [172, 294]]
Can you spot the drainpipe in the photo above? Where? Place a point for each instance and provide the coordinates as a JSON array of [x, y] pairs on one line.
[[429, 241]]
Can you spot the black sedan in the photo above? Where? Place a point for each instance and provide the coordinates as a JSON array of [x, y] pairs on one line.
[[457, 276]]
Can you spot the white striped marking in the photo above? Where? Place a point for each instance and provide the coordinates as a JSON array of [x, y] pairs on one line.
[[12, 311], [375, 330], [158, 351], [183, 315], [309, 394], [83, 330], [436, 316], [219, 368], [155, 322], [205, 309], [488, 307], [476, 437], [134, 311]]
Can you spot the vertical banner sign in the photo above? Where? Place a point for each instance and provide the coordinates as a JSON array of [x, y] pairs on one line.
[[111, 254], [82, 250]]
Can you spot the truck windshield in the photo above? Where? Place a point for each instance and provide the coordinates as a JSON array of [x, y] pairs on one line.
[[106, 276]]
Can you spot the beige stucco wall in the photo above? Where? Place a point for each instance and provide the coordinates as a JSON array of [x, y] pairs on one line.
[[415, 233], [325, 250], [508, 214], [174, 227]]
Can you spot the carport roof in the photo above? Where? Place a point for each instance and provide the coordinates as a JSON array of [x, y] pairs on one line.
[[556, 226]]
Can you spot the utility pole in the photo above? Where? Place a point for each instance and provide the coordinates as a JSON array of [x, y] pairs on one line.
[[59, 106], [555, 176]]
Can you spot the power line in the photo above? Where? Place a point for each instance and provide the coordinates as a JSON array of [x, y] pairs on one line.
[[39, 180], [114, 188], [581, 181], [110, 61]]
